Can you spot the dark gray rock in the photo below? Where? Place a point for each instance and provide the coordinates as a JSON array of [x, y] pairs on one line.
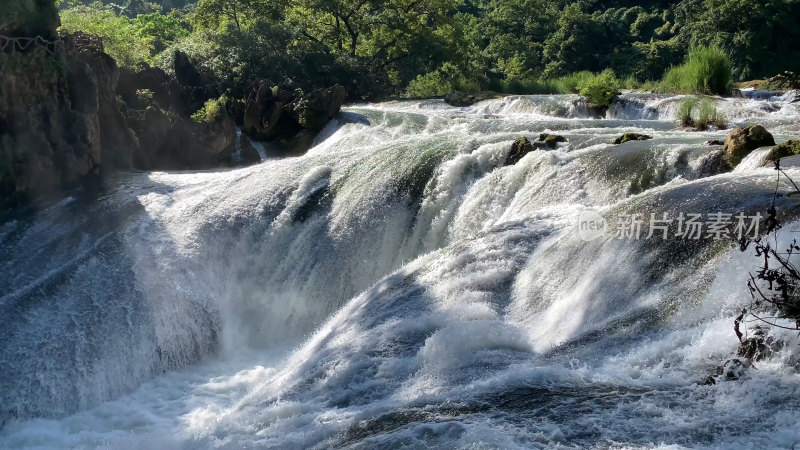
[[185, 72], [627, 137], [521, 147], [551, 140]]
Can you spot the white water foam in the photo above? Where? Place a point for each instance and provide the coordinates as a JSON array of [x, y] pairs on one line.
[[396, 286]]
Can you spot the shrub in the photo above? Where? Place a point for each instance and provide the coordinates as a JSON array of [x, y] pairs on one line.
[[636, 85], [707, 70], [465, 85], [211, 110], [569, 84], [441, 82], [524, 86], [600, 89], [121, 39], [432, 84]]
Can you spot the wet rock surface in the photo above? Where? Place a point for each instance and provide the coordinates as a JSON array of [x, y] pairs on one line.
[[741, 141]]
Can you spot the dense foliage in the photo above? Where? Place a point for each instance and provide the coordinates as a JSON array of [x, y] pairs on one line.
[[423, 48], [707, 70]]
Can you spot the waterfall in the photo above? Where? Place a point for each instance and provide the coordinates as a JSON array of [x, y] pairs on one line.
[[398, 285]]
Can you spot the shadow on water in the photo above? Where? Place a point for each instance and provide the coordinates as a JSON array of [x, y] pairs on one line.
[[78, 326]]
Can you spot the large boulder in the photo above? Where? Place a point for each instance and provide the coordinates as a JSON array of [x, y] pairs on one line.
[[286, 116], [262, 111], [713, 163], [785, 81], [521, 147], [741, 141], [313, 111], [185, 72], [166, 90], [173, 142]]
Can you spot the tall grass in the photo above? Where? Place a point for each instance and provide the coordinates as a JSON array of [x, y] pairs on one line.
[[700, 114], [685, 110], [709, 115], [707, 70]]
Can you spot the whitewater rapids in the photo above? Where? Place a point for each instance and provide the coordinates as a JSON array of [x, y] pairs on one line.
[[398, 287]]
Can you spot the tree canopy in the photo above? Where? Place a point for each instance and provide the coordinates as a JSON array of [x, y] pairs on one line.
[[379, 47]]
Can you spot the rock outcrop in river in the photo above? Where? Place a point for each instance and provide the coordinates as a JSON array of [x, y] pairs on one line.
[[741, 141], [59, 122], [162, 110], [285, 114]]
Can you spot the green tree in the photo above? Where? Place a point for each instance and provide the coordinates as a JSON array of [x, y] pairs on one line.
[[121, 38], [368, 27], [162, 29], [238, 13], [516, 31], [578, 43], [761, 39]]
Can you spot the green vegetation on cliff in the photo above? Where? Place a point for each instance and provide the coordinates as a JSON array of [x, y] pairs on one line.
[[380, 48]]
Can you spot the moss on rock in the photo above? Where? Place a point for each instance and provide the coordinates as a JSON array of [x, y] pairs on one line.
[[521, 147], [788, 148], [627, 137], [551, 140]]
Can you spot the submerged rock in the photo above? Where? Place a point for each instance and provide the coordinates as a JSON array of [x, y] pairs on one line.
[[714, 163], [551, 140], [521, 147], [753, 349], [597, 111], [731, 370], [741, 141], [715, 142], [627, 137], [792, 96], [759, 346], [788, 148]]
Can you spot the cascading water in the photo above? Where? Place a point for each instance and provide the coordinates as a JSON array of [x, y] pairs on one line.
[[398, 286]]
